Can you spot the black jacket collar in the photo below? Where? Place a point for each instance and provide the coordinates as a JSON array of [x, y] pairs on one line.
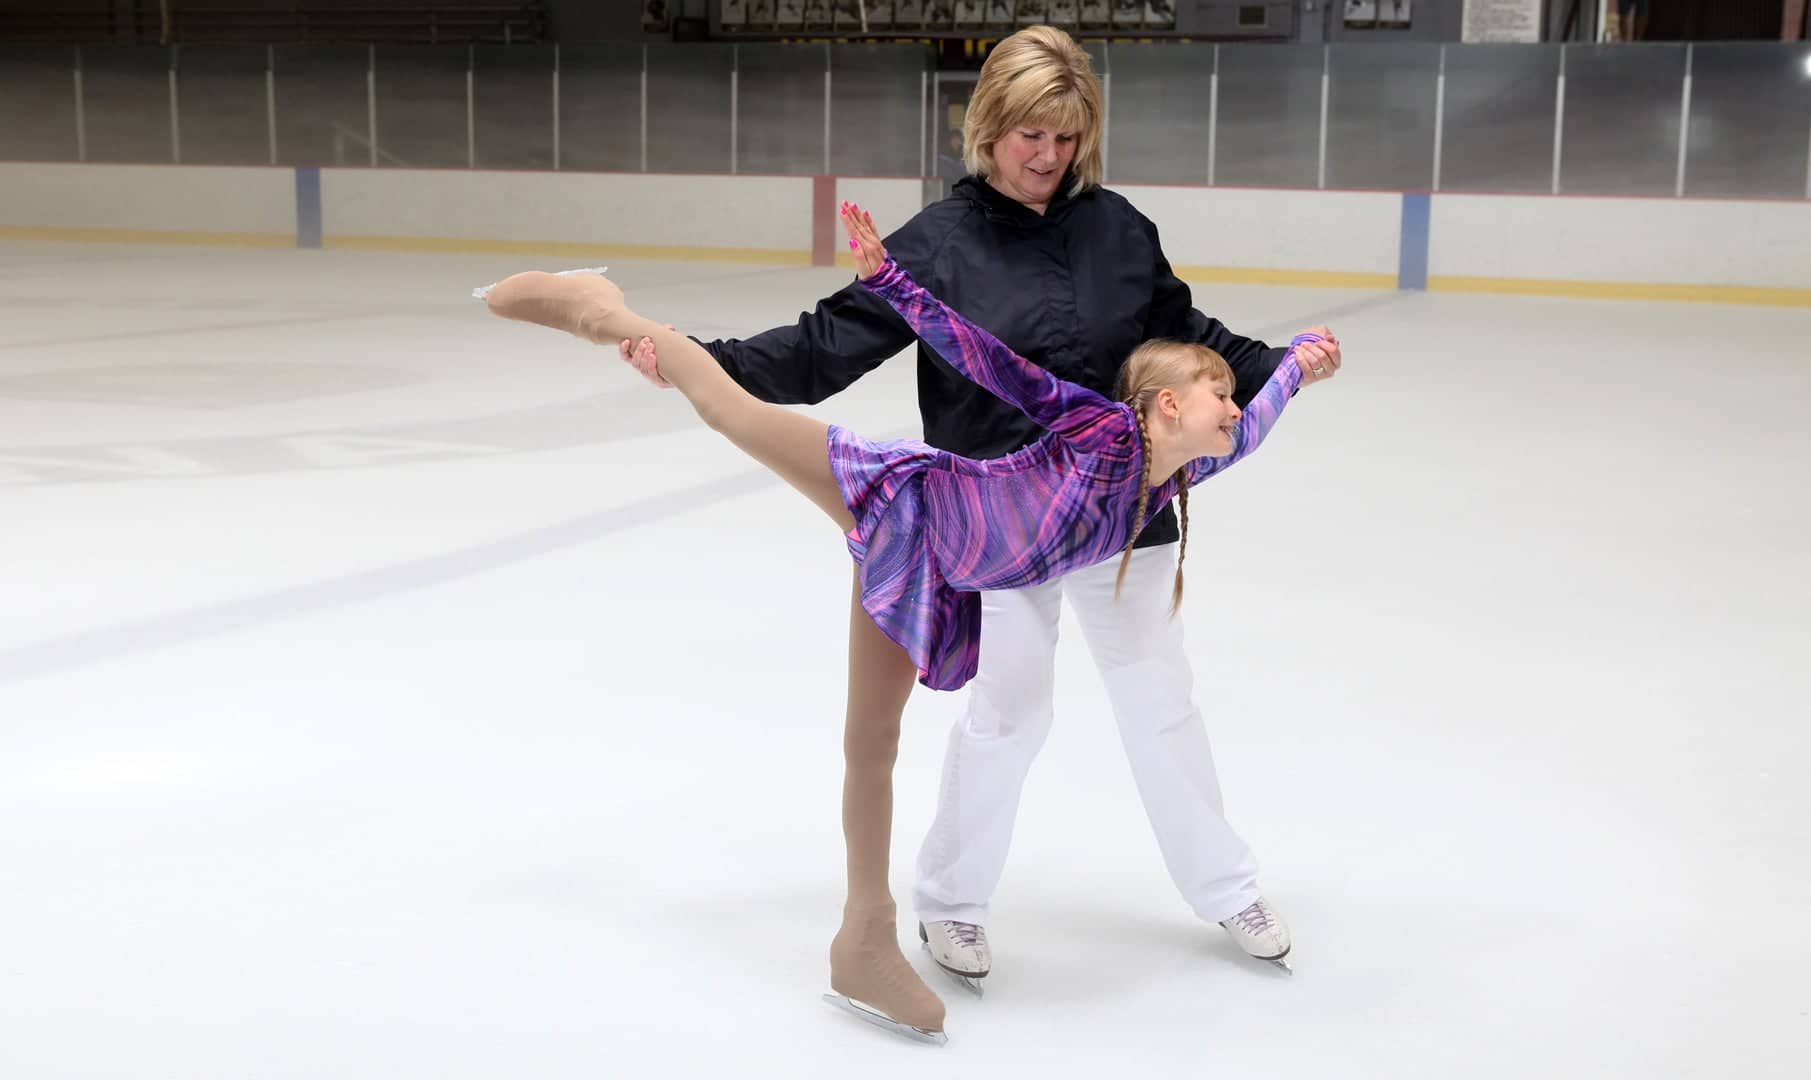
[[1000, 207]]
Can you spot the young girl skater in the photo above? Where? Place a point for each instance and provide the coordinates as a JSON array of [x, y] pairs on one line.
[[929, 530]]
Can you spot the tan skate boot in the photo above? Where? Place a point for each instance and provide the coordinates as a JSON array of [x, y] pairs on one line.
[[872, 978], [579, 302]]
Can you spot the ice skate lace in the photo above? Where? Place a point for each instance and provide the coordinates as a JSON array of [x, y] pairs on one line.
[[1256, 919], [965, 933]]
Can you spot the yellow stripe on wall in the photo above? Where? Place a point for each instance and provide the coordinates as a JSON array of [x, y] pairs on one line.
[[60, 234], [1623, 290], [677, 253], [1256, 275], [1237, 275]]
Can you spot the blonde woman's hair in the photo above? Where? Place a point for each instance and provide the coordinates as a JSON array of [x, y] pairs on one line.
[[1152, 368], [1037, 76]]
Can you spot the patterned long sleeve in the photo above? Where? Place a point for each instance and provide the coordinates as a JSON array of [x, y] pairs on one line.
[[1259, 416], [1073, 412]]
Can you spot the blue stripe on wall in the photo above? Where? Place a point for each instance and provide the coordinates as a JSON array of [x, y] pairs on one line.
[[308, 208], [1411, 267]]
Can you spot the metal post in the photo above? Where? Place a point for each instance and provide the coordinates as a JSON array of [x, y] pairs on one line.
[[1106, 129], [81, 113], [1685, 124], [1326, 96], [1559, 118], [1439, 117], [735, 79], [371, 101], [644, 108], [270, 98], [471, 109], [1106, 91], [175, 112], [923, 122], [556, 106], [1213, 116], [1808, 170], [826, 109]]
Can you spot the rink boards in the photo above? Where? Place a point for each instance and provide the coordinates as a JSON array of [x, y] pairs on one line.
[[1715, 250]]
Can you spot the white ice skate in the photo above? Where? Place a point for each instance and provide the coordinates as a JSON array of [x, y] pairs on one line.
[[1259, 930], [960, 949]]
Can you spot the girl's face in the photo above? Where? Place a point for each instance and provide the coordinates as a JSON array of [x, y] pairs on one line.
[[1203, 415], [1029, 163]]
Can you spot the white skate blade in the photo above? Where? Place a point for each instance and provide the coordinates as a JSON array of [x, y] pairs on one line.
[[968, 982], [483, 291], [971, 983], [882, 1020]]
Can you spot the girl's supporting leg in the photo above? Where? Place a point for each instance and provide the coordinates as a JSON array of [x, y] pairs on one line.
[[591, 306], [865, 959], [866, 962]]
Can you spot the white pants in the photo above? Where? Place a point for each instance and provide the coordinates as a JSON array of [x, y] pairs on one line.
[[1139, 652]]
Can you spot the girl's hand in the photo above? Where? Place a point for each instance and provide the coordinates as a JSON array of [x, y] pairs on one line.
[[870, 253]]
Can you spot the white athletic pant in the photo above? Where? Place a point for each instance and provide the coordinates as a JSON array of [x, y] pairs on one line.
[[1139, 652]]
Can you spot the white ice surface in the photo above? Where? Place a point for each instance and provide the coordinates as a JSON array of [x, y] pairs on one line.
[[388, 691]]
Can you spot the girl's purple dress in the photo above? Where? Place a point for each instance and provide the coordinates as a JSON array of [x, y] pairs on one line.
[[932, 529]]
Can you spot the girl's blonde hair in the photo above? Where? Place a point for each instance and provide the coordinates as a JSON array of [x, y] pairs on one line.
[[1037, 76], [1152, 368]]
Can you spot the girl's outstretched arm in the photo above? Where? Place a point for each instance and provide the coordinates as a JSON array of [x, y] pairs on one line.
[[1259, 416], [1057, 405]]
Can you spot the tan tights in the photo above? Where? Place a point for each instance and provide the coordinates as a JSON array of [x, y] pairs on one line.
[[865, 959]]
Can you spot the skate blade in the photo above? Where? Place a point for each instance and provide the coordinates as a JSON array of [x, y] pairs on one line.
[[971, 983], [483, 291], [1282, 964], [882, 1020]]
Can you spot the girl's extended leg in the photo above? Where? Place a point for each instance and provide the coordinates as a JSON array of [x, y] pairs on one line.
[[865, 960], [591, 306]]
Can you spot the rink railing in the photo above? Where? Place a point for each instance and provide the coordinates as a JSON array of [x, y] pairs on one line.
[[1710, 120]]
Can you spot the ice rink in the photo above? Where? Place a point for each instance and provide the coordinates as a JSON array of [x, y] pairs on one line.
[[391, 692]]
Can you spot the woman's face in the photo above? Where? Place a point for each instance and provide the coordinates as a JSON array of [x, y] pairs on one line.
[[1030, 161]]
